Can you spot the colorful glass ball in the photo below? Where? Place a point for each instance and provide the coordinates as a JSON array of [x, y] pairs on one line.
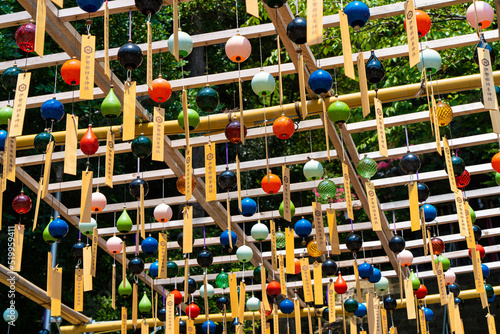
[[22, 203], [271, 184], [405, 257], [312, 249], [233, 132], [238, 48], [367, 167], [430, 212], [89, 144], [210, 291], [444, 113], [357, 13], [257, 273], [397, 244], [327, 189], [329, 267], [283, 127], [486, 270], [149, 245], [222, 280], [193, 311], [340, 285], [460, 302], [320, 81], [205, 258], [274, 3], [248, 207], [185, 44], [361, 311], [3, 137], [90, 6], [296, 30], [124, 223], [313, 170], [273, 288], [286, 306], [99, 202], [125, 290], [483, 44], [353, 242], [208, 327], [70, 71], [421, 292], [350, 305], [430, 60], [303, 228], [154, 269], [135, 187], [489, 290], [58, 229], [25, 37], [428, 313], [130, 56], [181, 184], [390, 303], [463, 180], [111, 107], [136, 265], [449, 277], [87, 228], [193, 119], [477, 232], [52, 110], [444, 261], [172, 269], [77, 250], [163, 213], [280, 239], [224, 238], [458, 165], [480, 248], [5, 115], [177, 296], [437, 245], [207, 99], [485, 15], [414, 281], [495, 162], [455, 289], [142, 147], [42, 140], [339, 112], [9, 78], [382, 284], [161, 90], [148, 7], [423, 191], [365, 270], [10, 315], [259, 231], [227, 180], [375, 71], [253, 304], [114, 245], [263, 83], [410, 163], [221, 302], [423, 22], [376, 276]]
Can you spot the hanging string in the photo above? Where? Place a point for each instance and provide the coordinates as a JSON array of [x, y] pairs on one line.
[[394, 221], [296, 7], [335, 76], [237, 23], [407, 142], [204, 240], [55, 81], [130, 25], [310, 141], [352, 226], [227, 156], [260, 49]]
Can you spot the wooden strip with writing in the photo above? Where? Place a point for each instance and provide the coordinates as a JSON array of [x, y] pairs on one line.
[[298, 322], [490, 318], [373, 206], [332, 231], [78, 295], [273, 245], [318, 283], [87, 71], [412, 33], [129, 100], [188, 173], [70, 144], [238, 180], [363, 85], [210, 172], [252, 7], [87, 268], [186, 277], [49, 274], [471, 240], [331, 302], [86, 197], [95, 246], [18, 246], [441, 283], [175, 9], [314, 22], [290, 251], [306, 280], [487, 84], [149, 64], [414, 209], [124, 321], [319, 226], [22, 88], [142, 213], [287, 211], [302, 87], [347, 189], [110, 158], [462, 218], [10, 158], [134, 304], [282, 274], [233, 293], [162, 255], [113, 287], [449, 165], [187, 246], [263, 280], [379, 114], [370, 313], [158, 134], [241, 302]]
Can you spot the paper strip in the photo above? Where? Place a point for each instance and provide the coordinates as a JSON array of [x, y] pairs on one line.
[[210, 172], [363, 85], [22, 90], [142, 213], [124, 321], [37, 204], [302, 87], [162, 255], [134, 304], [441, 283], [149, 65], [113, 287], [373, 207], [41, 16], [319, 226], [273, 246], [55, 300], [286, 194], [86, 197], [332, 231], [414, 209], [129, 99], [487, 84], [71, 144], [318, 283], [412, 33], [449, 165], [18, 246], [10, 158], [331, 302], [346, 46], [49, 274], [306, 280], [78, 298], [88, 68], [382, 142], [347, 189], [175, 8], [298, 320], [95, 246], [462, 217], [46, 169], [252, 7], [187, 245], [290, 251], [87, 268], [263, 279], [356, 278], [110, 158], [158, 134], [282, 275], [410, 300]]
